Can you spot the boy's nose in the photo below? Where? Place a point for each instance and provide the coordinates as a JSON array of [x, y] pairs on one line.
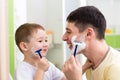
[[45, 44]]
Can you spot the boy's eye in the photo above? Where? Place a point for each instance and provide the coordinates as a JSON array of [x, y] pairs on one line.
[[40, 41], [46, 40]]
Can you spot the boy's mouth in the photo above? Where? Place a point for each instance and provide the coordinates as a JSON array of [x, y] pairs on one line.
[[44, 50]]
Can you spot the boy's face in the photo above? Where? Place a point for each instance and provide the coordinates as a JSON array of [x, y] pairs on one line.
[[39, 40]]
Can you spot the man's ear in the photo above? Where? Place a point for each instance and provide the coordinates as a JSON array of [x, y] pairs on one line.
[[23, 46], [90, 33]]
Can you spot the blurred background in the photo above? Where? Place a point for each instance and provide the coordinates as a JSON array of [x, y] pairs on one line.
[[52, 15]]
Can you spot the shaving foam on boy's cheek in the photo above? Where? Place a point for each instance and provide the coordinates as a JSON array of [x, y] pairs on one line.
[[80, 44], [33, 50], [36, 52]]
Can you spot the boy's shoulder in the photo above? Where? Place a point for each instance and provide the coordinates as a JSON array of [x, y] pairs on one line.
[[24, 66]]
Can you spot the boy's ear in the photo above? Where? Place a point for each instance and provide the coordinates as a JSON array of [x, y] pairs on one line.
[[23, 46]]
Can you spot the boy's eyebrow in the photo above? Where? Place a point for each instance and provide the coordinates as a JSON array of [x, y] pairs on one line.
[[42, 37]]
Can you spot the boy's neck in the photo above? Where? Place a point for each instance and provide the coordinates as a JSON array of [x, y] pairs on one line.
[[30, 61]]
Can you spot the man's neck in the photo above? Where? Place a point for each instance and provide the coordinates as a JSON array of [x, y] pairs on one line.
[[100, 57]]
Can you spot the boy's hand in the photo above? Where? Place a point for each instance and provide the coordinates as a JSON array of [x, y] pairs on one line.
[[43, 64], [72, 69]]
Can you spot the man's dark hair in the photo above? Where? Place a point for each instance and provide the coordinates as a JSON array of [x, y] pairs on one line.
[[89, 15]]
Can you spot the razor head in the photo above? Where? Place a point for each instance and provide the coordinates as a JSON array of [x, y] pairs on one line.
[[38, 52], [78, 46]]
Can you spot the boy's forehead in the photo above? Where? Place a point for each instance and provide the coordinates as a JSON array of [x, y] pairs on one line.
[[39, 32], [38, 36]]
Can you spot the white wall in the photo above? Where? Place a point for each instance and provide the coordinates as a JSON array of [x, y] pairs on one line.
[[55, 23], [47, 13], [54, 19], [36, 11], [19, 13], [20, 17]]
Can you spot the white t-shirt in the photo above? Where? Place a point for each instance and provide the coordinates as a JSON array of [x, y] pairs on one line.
[[26, 71]]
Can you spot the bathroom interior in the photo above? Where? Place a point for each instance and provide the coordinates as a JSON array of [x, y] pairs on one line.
[[52, 15]]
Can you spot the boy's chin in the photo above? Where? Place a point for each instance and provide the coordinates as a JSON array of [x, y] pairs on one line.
[[44, 55]]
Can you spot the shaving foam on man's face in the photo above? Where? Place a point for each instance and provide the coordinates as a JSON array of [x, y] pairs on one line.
[[81, 44]]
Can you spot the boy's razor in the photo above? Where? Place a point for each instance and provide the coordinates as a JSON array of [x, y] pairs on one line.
[[38, 52]]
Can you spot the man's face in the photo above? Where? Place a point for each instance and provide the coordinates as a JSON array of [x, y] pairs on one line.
[[71, 30]]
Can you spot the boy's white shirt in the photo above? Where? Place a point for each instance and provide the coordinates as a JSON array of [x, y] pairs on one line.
[[26, 71]]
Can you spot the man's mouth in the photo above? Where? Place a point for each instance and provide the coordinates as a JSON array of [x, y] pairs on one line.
[[70, 45]]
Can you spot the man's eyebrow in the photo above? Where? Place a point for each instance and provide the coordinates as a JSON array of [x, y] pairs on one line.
[[68, 29]]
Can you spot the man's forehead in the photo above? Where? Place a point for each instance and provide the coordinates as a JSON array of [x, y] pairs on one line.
[[71, 27]]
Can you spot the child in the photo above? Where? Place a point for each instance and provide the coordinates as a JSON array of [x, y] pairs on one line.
[[29, 38]]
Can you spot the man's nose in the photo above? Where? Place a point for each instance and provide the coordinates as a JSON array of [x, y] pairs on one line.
[[64, 38]]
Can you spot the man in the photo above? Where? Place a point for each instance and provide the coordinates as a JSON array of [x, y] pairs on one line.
[[90, 24]]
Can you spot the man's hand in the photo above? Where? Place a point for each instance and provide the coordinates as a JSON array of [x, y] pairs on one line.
[[88, 64], [72, 69]]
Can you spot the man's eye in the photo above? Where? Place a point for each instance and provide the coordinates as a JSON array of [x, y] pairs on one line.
[[68, 32]]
